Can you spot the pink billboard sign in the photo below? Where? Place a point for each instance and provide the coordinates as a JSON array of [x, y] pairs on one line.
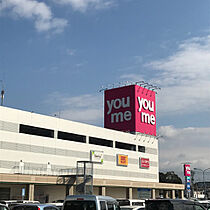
[[144, 162], [130, 109], [187, 170]]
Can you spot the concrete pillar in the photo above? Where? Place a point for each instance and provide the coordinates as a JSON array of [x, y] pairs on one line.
[[173, 194], [71, 190], [182, 194], [153, 193], [31, 192], [166, 194], [130, 193], [55, 134], [103, 191]]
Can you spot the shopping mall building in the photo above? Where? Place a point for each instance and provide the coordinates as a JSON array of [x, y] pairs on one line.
[[44, 158]]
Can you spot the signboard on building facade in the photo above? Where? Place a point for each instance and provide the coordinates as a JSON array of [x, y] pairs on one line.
[[187, 170], [144, 163], [122, 160], [130, 109], [97, 156]]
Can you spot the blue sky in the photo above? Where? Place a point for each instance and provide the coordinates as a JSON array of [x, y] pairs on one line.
[[56, 54]]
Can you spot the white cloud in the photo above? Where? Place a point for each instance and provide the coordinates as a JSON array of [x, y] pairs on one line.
[[184, 77], [183, 145], [37, 11], [83, 108], [83, 5], [190, 62], [42, 15]]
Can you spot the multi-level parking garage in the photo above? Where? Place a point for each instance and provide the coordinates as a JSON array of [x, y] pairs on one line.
[[39, 155]]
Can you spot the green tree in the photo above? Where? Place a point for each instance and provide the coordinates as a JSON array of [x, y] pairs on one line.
[[169, 177]]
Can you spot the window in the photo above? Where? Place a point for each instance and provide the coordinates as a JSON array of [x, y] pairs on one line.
[[126, 146], [103, 205], [123, 202], [141, 149], [101, 142], [137, 204], [110, 206], [27, 129], [80, 205], [71, 137]]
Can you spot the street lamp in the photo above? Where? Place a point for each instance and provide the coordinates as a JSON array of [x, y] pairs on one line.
[[204, 184]]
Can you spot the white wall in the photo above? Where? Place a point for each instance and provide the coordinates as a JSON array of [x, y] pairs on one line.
[[21, 147]]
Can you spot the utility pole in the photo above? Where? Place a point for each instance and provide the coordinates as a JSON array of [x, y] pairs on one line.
[[2, 93], [192, 182]]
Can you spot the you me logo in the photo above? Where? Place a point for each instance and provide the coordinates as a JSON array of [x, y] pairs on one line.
[[115, 107], [146, 105], [130, 109]]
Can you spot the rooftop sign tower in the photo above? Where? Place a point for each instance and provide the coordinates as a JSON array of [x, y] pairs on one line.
[[131, 109]]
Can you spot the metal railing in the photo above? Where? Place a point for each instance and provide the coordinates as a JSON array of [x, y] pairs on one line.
[[43, 171]]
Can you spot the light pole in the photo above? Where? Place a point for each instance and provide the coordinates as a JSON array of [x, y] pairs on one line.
[[204, 184]]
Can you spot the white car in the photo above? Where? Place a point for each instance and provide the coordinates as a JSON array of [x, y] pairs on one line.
[[132, 207]]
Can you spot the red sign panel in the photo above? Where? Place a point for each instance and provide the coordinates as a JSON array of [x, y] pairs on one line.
[[187, 171], [130, 109], [144, 162]]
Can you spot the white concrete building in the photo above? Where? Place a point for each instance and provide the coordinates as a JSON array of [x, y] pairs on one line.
[[36, 149]]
